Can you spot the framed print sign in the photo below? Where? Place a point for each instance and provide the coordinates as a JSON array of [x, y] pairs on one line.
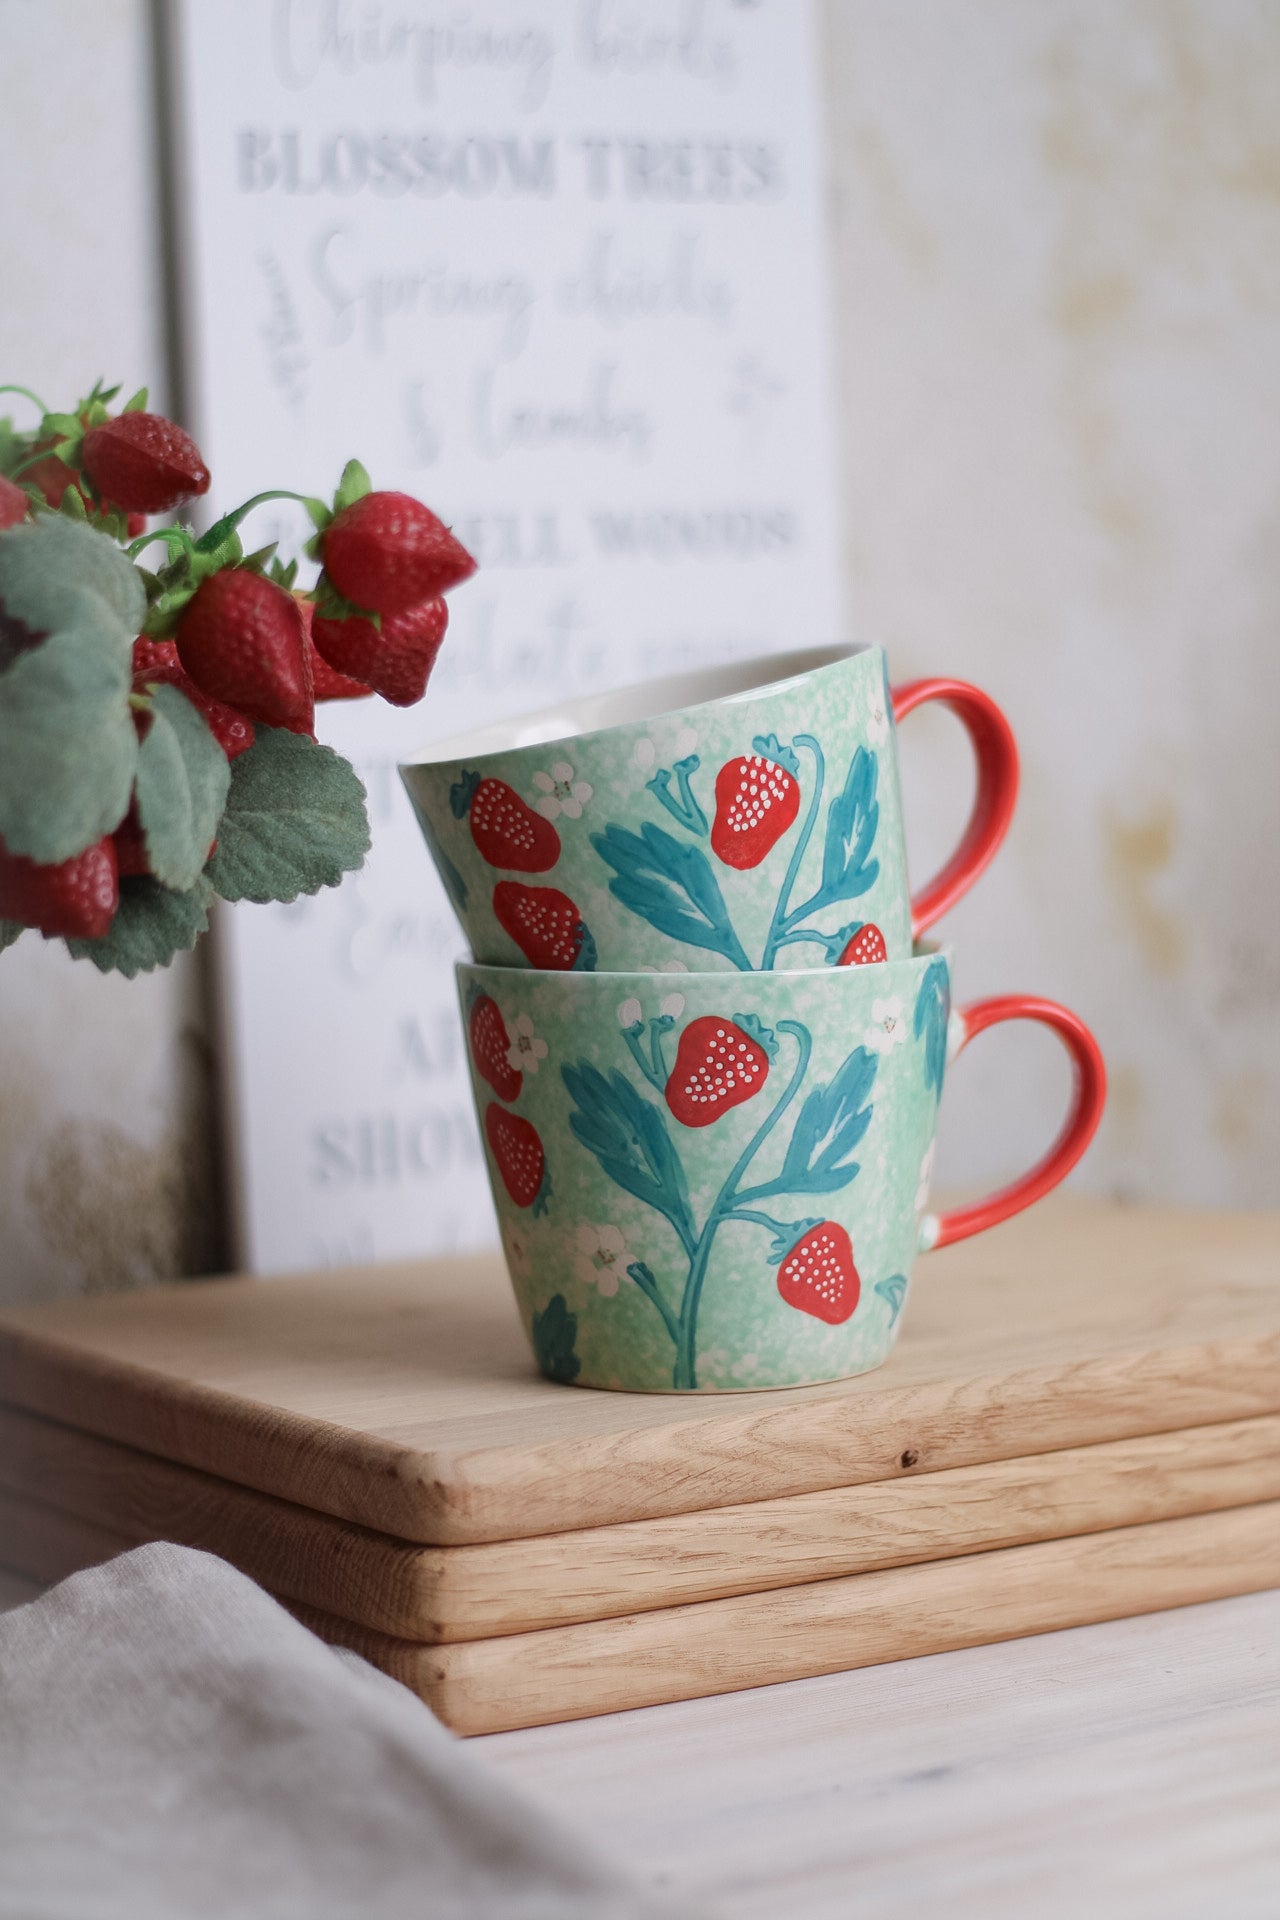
[[557, 268]]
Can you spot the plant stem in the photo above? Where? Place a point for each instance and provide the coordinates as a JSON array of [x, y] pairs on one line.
[[27, 395], [779, 921], [685, 1374]]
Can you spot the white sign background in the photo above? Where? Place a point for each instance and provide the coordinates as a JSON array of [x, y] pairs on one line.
[[558, 269]]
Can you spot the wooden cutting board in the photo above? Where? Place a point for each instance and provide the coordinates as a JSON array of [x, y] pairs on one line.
[[404, 1398], [681, 1653], [443, 1594]]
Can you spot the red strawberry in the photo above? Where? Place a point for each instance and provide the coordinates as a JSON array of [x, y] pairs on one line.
[[395, 661], [157, 660], [507, 832], [242, 639], [545, 925], [130, 846], [866, 949], [756, 801], [490, 1044], [718, 1066], [329, 684], [516, 1147], [14, 505], [77, 897], [388, 552], [144, 463], [818, 1275]]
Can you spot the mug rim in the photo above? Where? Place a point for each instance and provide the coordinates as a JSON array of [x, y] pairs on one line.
[[639, 704], [790, 975]]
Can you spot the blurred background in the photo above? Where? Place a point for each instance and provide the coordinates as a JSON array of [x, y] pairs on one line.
[[1055, 245]]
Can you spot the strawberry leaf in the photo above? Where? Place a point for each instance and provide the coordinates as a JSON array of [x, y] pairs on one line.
[[181, 789], [10, 930], [152, 923], [894, 1291], [137, 403], [671, 886], [628, 1136], [45, 562], [553, 1334], [847, 868], [294, 821], [68, 749], [354, 485], [830, 1124], [929, 1022]]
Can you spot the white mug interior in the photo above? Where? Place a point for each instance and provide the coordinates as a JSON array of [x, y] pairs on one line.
[[649, 700]]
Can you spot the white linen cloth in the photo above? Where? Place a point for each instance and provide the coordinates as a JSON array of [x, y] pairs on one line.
[[173, 1745]]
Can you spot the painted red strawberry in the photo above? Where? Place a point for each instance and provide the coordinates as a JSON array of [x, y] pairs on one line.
[[507, 832], [14, 505], [718, 1066], [388, 552], [545, 925], [77, 897], [396, 660], [243, 640], [818, 1275], [144, 463], [517, 1148], [157, 660], [490, 1045], [757, 799], [866, 949]]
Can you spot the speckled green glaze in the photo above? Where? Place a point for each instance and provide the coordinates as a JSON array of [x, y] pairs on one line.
[[630, 855], [651, 1247]]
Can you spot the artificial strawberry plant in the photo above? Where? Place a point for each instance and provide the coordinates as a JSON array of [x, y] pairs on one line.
[[157, 743]]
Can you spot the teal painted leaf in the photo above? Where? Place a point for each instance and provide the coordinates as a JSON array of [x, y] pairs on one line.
[[829, 1126], [555, 1332], [929, 1023], [181, 788], [68, 748], [629, 1138], [152, 923], [43, 564], [894, 1290], [847, 867], [294, 820], [671, 886]]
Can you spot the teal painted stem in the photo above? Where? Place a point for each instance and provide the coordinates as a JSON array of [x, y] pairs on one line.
[[780, 920]]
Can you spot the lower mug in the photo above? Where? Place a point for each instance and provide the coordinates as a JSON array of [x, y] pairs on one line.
[[713, 1182]]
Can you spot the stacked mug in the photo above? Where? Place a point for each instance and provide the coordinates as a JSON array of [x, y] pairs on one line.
[[706, 1049]]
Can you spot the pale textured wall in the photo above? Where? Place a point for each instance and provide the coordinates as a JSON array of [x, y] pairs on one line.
[[106, 1148], [1057, 236]]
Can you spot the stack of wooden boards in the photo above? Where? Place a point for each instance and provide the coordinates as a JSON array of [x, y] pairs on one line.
[[1081, 1421]]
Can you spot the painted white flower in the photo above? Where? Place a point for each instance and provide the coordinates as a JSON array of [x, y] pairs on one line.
[[926, 1180], [878, 716], [747, 1368], [888, 1029], [515, 1244], [630, 1014], [646, 752], [526, 1048], [560, 793], [672, 1005], [602, 1258], [672, 966]]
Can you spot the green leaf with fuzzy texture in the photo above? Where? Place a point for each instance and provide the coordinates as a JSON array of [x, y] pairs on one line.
[[181, 788], [68, 748], [294, 821], [353, 486], [45, 562], [152, 923], [10, 930]]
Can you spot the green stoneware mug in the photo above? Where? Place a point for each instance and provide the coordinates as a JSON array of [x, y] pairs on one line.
[[711, 1183], [745, 818]]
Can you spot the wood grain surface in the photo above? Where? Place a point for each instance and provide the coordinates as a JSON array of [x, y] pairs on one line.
[[761, 1639], [405, 1398], [719, 1646], [473, 1592]]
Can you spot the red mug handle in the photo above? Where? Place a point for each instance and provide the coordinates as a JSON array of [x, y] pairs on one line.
[[1089, 1093], [996, 753]]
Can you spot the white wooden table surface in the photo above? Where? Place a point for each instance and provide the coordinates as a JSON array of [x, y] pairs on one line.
[[1129, 1771]]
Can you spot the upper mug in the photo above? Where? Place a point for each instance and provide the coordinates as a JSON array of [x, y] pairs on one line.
[[748, 817]]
